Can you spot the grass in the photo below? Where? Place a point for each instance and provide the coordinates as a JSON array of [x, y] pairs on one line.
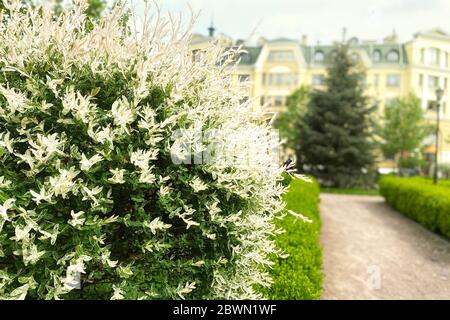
[[299, 277], [354, 191]]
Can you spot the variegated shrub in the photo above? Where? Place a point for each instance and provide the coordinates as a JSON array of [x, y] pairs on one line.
[[92, 203]]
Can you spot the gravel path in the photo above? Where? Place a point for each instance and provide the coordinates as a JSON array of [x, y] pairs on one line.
[[372, 252]]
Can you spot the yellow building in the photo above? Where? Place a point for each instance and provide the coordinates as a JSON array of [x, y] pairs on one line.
[[277, 67]]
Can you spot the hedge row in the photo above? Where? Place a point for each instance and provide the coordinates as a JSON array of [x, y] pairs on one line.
[[429, 181], [299, 277], [420, 200]]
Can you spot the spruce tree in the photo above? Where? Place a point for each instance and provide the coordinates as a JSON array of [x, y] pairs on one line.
[[335, 137]]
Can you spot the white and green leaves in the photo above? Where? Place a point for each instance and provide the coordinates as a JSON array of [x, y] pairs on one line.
[[92, 204]]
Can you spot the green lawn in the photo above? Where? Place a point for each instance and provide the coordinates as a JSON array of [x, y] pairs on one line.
[[355, 191], [299, 277]]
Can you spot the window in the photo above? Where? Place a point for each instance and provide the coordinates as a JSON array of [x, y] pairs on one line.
[[244, 100], [377, 56], [433, 82], [279, 79], [262, 100], [278, 101], [291, 79], [433, 56], [264, 79], [282, 79], [393, 80], [290, 56], [317, 79], [281, 56], [393, 56], [245, 57], [319, 56], [354, 57], [421, 80], [432, 105], [244, 77], [196, 55]]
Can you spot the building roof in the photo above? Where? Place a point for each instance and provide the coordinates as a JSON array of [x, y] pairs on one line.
[[282, 40], [373, 50], [436, 32], [250, 55], [377, 53]]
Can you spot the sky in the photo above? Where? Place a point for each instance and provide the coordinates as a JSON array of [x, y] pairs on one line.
[[321, 20]]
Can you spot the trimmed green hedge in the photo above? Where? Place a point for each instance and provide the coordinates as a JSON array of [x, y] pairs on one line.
[[420, 200], [299, 277]]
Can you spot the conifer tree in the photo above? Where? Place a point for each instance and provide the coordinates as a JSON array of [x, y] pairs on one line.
[[335, 137]]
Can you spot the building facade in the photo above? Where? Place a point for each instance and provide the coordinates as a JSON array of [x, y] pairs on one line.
[[275, 68]]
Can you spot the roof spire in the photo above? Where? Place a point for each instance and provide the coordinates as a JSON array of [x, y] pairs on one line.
[[211, 29], [344, 34]]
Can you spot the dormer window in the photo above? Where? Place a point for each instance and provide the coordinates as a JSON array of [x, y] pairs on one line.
[[377, 56], [244, 77], [353, 41], [245, 57], [354, 57], [319, 56], [393, 56]]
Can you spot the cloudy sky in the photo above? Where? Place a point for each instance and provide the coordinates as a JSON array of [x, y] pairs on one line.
[[321, 20]]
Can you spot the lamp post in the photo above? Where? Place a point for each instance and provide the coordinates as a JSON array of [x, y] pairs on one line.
[[439, 94]]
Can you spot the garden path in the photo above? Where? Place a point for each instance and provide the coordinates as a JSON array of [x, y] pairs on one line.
[[372, 252]]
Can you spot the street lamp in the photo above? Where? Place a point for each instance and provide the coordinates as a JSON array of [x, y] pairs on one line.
[[439, 94]]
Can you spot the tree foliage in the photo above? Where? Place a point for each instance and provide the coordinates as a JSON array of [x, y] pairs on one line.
[[288, 121], [403, 127], [335, 143]]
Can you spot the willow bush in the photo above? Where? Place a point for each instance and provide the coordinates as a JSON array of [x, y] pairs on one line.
[[98, 198]]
